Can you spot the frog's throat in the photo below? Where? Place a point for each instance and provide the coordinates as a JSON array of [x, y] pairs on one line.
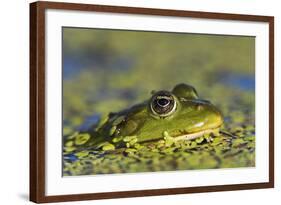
[[191, 136]]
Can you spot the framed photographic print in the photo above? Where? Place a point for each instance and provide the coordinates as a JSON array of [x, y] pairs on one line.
[[128, 102]]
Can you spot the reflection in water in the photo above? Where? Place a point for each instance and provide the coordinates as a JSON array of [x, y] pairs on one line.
[[243, 82]]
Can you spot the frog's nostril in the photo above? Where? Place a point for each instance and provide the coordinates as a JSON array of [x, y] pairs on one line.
[[163, 102]]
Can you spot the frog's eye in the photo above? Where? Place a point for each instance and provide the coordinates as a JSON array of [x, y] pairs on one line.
[[163, 103]]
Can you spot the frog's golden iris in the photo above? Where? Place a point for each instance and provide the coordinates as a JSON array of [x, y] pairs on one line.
[[178, 113], [163, 104]]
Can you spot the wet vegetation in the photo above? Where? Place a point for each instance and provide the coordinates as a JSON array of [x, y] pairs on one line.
[[106, 71]]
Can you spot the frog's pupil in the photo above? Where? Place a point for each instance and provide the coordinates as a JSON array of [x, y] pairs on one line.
[[163, 102]]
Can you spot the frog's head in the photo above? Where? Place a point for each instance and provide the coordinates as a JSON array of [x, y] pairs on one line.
[[180, 113]]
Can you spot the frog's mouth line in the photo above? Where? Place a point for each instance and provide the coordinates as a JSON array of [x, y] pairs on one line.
[[192, 136]]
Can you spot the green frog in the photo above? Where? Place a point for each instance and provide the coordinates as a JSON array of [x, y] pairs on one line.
[[178, 114]]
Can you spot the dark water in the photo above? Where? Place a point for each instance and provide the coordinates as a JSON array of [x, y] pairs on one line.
[[74, 64]]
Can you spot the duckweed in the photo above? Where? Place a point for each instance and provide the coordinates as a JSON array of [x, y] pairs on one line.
[[81, 139], [108, 146], [224, 151]]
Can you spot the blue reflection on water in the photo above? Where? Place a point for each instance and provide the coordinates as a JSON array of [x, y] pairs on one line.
[[89, 122], [243, 82], [70, 157]]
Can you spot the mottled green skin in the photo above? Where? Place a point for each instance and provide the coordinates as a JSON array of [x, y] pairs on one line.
[[192, 115]]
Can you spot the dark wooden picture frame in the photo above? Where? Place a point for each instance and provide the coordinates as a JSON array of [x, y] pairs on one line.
[[37, 100]]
